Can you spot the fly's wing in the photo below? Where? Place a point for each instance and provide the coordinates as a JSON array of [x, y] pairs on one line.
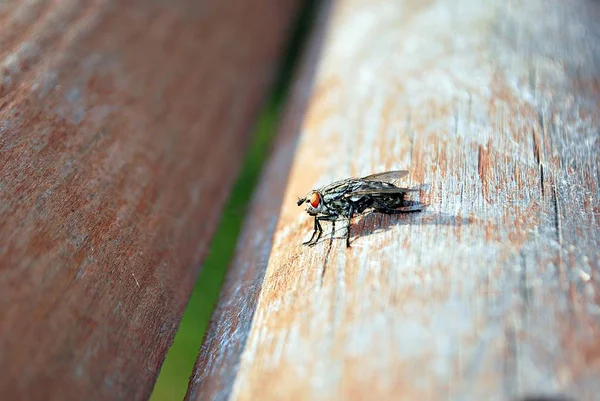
[[369, 185], [374, 188], [388, 176], [380, 191]]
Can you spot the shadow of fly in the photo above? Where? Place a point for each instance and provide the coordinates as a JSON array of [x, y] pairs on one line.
[[345, 198]]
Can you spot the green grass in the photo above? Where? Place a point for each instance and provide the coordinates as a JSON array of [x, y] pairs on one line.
[[173, 379]]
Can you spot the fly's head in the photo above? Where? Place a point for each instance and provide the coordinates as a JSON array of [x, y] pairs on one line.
[[314, 203]]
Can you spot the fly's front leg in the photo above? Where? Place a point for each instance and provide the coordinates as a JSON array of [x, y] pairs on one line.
[[317, 229], [318, 226], [332, 219]]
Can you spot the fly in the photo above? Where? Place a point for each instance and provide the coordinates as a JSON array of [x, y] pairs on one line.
[[345, 198]]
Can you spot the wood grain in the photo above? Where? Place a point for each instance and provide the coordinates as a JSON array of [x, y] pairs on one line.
[[492, 292], [122, 126]]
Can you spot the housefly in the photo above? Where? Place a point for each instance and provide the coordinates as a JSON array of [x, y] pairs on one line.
[[345, 198]]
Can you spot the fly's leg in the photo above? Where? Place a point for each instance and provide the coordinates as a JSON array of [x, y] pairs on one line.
[[318, 229], [327, 218], [332, 229], [412, 206], [407, 209], [318, 225], [383, 208], [350, 214]]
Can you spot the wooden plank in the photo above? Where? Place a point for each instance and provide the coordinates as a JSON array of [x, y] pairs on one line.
[[492, 292], [122, 126]]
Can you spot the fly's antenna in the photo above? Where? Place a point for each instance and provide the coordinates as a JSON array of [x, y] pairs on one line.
[[300, 201]]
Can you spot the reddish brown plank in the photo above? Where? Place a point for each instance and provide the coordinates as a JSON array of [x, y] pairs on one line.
[[491, 293], [122, 126]]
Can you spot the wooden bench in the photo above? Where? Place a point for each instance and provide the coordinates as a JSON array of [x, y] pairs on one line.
[[122, 129]]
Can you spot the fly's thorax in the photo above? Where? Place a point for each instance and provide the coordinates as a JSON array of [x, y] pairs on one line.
[[339, 206]]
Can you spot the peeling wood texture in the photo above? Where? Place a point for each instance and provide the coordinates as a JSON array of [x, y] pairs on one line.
[[122, 126], [493, 292]]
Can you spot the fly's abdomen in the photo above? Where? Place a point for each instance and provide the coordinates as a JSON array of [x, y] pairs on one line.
[[391, 201]]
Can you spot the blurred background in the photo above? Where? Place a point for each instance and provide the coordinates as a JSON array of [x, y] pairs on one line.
[[173, 379]]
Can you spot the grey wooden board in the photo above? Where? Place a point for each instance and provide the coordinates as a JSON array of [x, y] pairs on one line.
[[492, 292]]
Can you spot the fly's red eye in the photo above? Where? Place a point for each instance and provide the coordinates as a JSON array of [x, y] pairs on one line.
[[315, 199]]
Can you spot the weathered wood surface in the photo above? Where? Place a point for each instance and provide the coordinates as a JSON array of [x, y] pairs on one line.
[[491, 293], [122, 126]]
